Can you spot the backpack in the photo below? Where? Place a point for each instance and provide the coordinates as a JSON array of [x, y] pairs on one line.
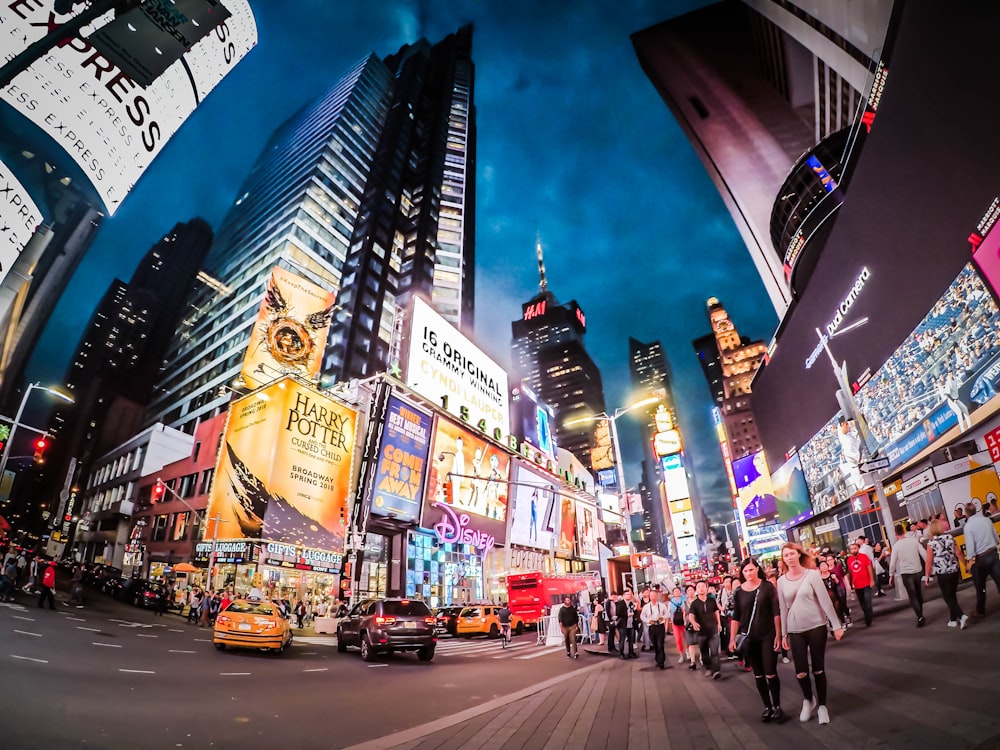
[[678, 615]]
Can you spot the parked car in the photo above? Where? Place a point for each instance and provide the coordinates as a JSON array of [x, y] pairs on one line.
[[447, 620], [252, 623], [484, 620], [388, 625], [150, 594]]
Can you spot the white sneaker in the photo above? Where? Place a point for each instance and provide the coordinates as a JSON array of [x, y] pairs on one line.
[[822, 715], [952, 623], [680, 659], [808, 706], [784, 660], [963, 621]]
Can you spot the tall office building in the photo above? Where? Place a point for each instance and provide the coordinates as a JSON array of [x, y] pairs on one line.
[[548, 355], [756, 86], [367, 191], [733, 360]]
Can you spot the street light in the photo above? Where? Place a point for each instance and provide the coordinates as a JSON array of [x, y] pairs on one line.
[[17, 419], [622, 491]]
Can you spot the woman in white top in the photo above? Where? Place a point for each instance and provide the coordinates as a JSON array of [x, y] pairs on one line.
[[806, 609]]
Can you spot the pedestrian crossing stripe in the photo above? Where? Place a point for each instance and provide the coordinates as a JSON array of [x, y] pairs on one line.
[[515, 650]]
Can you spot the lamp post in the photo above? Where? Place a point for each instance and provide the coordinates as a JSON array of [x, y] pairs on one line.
[[738, 546], [17, 419], [622, 487]]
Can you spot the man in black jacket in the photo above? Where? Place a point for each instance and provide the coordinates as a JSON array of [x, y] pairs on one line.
[[628, 615], [569, 622], [610, 614]]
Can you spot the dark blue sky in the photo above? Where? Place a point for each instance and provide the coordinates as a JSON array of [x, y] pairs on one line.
[[574, 144]]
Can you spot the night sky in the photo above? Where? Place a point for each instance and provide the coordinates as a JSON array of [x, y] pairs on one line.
[[574, 145]]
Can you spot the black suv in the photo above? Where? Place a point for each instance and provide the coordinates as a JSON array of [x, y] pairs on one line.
[[388, 625], [447, 620]]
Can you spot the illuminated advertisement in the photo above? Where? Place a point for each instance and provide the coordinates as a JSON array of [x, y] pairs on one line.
[[566, 541], [611, 507], [674, 477], [532, 422], [766, 540], [727, 461], [279, 555], [469, 473], [284, 468], [791, 492], [687, 549], [290, 332], [945, 369], [586, 531], [108, 125], [756, 500], [19, 217], [602, 455], [830, 462], [666, 442], [447, 368], [399, 474], [535, 509]]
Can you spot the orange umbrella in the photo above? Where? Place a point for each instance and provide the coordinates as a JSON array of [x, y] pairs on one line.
[[185, 568]]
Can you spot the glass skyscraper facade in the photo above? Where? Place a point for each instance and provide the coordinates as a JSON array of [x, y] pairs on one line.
[[367, 191]]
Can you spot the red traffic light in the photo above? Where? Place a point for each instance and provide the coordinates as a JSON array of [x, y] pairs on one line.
[[158, 490], [40, 445]]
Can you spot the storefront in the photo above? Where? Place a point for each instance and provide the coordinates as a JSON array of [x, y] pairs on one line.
[[843, 523], [235, 564], [293, 573], [448, 573]]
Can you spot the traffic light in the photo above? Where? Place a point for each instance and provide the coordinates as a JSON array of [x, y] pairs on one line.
[[40, 445], [159, 489]]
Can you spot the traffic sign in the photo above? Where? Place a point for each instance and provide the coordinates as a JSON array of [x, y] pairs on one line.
[[875, 464]]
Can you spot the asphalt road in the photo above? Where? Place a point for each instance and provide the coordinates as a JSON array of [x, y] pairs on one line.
[[114, 676]]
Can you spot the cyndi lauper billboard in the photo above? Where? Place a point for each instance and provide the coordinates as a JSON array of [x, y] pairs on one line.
[[284, 469]]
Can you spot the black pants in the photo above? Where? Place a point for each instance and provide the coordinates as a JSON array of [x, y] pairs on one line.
[[948, 583], [709, 645], [911, 582], [987, 565], [47, 595], [865, 600], [626, 635], [658, 637], [810, 646], [763, 660], [612, 630]]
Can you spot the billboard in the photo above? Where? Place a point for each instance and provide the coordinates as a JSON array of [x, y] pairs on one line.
[[791, 492], [469, 473], [284, 469], [106, 123], [290, 331], [674, 477], [566, 539], [532, 421], [402, 459], [830, 462], [535, 509], [445, 367], [19, 217], [586, 531], [602, 455], [756, 502]]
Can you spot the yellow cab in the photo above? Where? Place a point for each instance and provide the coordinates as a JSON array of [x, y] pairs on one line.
[[482, 619], [252, 623]]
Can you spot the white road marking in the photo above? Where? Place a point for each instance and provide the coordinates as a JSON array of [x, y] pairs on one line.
[[176, 630], [234, 674], [372, 666], [309, 653], [540, 653], [106, 645], [320, 669], [25, 632], [76, 619], [137, 671], [146, 635], [92, 630], [179, 651], [203, 640], [28, 658], [26, 619]]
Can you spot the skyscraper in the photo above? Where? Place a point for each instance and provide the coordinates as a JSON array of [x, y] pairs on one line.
[[367, 191], [548, 355]]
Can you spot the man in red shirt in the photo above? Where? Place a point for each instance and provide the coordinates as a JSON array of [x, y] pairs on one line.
[[861, 577]]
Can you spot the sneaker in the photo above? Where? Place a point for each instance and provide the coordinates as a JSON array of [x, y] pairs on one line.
[[808, 706], [716, 675], [785, 660], [767, 717], [822, 715], [576, 656], [920, 622], [733, 657], [952, 623], [777, 714], [680, 659], [568, 654], [963, 621]]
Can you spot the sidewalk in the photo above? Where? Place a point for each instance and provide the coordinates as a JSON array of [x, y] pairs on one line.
[[891, 685]]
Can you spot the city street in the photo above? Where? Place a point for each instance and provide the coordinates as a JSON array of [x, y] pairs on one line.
[[111, 676]]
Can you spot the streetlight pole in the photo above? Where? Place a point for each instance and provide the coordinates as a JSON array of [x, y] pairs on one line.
[[17, 419]]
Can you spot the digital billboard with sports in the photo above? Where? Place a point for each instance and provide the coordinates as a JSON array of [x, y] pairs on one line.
[[831, 463]]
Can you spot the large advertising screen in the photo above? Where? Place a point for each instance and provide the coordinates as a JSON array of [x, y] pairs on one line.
[[19, 217], [566, 540], [586, 530], [533, 421], [399, 473], [290, 332], [791, 492], [535, 507], [445, 367], [106, 123], [674, 477], [831, 463], [756, 501], [284, 469], [475, 471], [919, 306]]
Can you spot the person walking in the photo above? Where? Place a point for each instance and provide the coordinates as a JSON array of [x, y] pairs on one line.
[[943, 557], [757, 617], [677, 620], [805, 611], [600, 624], [300, 614], [861, 577], [48, 593], [611, 619], [908, 562], [569, 623], [627, 616], [981, 550], [725, 599], [654, 617], [8, 580], [704, 616], [641, 632]]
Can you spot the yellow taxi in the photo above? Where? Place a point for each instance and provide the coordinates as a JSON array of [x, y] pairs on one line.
[[252, 623], [483, 619]]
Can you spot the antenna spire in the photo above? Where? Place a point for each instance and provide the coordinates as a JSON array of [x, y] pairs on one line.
[[543, 284]]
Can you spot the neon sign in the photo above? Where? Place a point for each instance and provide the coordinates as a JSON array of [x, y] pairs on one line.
[[534, 311], [453, 528]]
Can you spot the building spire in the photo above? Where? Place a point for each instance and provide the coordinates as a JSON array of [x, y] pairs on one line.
[[543, 284]]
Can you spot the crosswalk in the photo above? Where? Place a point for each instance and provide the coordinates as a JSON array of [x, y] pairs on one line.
[[524, 648]]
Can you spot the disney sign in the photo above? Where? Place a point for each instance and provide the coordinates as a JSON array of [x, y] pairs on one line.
[[453, 528]]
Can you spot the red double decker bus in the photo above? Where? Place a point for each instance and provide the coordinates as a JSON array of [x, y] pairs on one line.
[[530, 595]]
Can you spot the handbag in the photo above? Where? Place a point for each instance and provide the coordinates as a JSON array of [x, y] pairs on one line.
[[743, 639]]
